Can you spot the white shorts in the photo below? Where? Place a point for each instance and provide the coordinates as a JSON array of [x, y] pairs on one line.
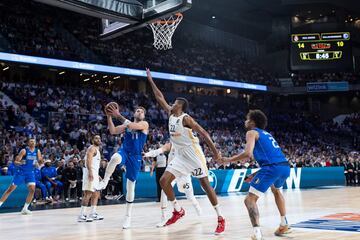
[[87, 185], [183, 183], [188, 161]]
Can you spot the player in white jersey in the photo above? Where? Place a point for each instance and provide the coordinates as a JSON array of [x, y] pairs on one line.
[[91, 181], [183, 183], [189, 157]]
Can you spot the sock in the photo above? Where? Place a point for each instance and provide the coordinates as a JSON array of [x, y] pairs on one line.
[[163, 213], [190, 196], [26, 206], [176, 205], [163, 200], [1, 203], [257, 232], [82, 211], [217, 209], [93, 209], [283, 221], [129, 209]]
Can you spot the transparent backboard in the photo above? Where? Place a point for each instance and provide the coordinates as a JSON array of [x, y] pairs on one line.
[[122, 16], [152, 10]]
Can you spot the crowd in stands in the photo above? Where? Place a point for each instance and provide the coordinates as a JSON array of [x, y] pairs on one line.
[[31, 33], [33, 28], [37, 29]]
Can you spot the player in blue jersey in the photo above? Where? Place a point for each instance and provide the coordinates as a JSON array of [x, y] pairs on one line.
[[274, 171], [130, 152], [24, 173], [39, 184], [51, 179]]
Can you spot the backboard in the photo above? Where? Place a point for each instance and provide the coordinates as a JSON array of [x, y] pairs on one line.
[[152, 10], [121, 16]]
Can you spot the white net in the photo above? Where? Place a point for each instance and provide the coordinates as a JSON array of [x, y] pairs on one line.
[[163, 31]]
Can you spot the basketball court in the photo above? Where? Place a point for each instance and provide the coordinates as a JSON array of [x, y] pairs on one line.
[[327, 213], [314, 214]]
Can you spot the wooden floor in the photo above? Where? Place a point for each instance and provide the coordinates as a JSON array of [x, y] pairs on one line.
[[302, 205]]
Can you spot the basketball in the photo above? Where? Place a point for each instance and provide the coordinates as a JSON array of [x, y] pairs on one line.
[[111, 104]]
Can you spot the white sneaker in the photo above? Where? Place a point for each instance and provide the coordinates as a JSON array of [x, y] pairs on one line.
[[254, 237], [127, 222], [47, 199], [257, 236], [26, 212], [101, 185], [118, 197], [161, 223], [84, 218], [96, 217]]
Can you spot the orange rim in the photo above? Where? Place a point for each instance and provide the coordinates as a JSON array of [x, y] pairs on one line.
[[163, 22]]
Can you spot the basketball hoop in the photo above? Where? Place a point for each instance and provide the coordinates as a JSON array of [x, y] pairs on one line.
[[163, 30]]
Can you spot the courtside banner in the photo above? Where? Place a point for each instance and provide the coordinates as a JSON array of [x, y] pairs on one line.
[[327, 87], [227, 181], [16, 198]]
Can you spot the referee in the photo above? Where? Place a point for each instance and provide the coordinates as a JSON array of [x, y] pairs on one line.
[[159, 164]]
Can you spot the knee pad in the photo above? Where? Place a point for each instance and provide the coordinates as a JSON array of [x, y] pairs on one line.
[[130, 191]]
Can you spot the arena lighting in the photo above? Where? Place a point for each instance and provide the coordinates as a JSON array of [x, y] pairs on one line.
[[105, 76], [117, 77], [86, 79], [61, 73], [213, 17], [6, 68], [228, 91], [127, 71]]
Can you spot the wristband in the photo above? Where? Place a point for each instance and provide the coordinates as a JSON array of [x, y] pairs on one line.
[[127, 122], [154, 153]]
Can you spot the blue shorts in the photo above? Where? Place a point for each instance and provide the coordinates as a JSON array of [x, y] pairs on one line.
[[132, 163], [24, 178], [267, 176]]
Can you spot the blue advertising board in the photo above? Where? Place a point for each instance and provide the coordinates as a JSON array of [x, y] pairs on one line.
[[227, 181], [327, 86]]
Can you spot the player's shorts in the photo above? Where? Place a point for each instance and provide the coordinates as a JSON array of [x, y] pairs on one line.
[[27, 178], [269, 175], [86, 184], [183, 183], [188, 160], [132, 163]]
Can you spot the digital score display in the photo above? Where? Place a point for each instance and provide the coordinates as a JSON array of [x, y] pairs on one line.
[[321, 51]]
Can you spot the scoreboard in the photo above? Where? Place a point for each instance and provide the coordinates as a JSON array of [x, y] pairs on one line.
[[321, 51]]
